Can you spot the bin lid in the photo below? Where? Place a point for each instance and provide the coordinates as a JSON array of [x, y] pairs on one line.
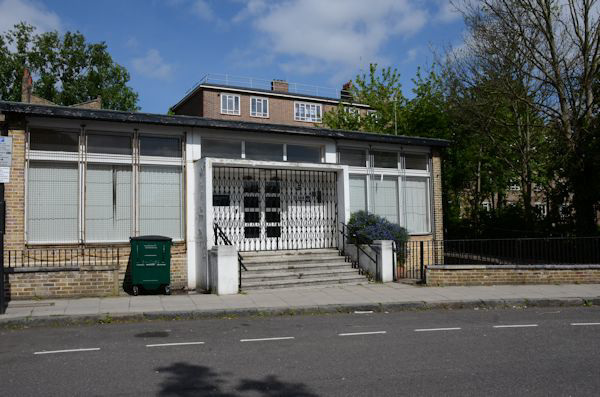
[[150, 238]]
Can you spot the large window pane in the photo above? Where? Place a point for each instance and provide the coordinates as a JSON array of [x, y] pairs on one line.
[[385, 159], [52, 202], [417, 205], [159, 146], [354, 157], [108, 202], [416, 161], [305, 154], [221, 149], [264, 151], [358, 193], [385, 197], [109, 144], [53, 140], [161, 201]]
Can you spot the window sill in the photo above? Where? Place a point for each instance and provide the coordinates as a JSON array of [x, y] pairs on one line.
[[231, 114]]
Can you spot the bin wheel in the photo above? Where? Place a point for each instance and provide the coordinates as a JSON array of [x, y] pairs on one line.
[[136, 290], [167, 290]]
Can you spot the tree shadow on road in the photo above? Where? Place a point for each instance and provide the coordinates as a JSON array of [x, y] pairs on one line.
[[196, 380]]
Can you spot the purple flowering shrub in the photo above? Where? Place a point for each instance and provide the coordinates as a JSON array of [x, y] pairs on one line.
[[365, 227]]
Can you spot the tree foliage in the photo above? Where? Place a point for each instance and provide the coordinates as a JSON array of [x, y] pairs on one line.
[[66, 69]]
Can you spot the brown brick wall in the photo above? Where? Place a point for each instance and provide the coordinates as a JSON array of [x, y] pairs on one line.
[[446, 276], [281, 110]]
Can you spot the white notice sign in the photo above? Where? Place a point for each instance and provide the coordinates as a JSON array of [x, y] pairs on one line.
[[4, 174], [5, 158]]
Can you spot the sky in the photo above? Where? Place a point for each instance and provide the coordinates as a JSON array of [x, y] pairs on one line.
[[169, 45]]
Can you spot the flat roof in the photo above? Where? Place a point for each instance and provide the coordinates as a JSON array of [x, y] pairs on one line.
[[65, 112]]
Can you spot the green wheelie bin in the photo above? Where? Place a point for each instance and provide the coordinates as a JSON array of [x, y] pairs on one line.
[[150, 263]]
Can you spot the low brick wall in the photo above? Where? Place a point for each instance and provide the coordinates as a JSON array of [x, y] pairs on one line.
[[448, 275], [102, 281], [66, 282]]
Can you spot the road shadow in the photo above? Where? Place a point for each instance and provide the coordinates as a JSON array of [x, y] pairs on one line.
[[185, 379]]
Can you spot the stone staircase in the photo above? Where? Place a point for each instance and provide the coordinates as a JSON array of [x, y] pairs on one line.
[[297, 268]]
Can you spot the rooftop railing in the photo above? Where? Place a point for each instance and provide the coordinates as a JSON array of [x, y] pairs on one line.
[[264, 84]]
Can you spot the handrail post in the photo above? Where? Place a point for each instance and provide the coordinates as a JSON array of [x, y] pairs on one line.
[[422, 258]]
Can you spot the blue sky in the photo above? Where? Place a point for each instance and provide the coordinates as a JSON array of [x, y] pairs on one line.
[[167, 46]]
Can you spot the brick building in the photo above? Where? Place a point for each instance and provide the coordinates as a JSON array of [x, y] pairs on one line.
[[85, 180], [276, 102]]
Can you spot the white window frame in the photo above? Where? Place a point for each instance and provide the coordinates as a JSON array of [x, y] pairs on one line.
[[263, 115], [83, 158], [232, 112], [308, 117], [401, 173]]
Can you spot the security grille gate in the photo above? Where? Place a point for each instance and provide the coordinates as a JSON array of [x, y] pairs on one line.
[[267, 209]]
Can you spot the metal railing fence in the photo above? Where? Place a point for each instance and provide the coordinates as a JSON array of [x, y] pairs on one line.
[[415, 256], [54, 258]]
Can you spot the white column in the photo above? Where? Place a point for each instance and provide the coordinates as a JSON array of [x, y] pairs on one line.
[[224, 271], [385, 260], [192, 154]]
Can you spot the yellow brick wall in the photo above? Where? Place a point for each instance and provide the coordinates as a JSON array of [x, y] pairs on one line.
[[14, 194], [499, 276]]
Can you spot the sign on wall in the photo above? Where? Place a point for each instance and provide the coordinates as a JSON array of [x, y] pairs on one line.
[[5, 158]]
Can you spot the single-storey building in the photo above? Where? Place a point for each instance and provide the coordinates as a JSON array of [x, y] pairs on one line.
[[83, 181]]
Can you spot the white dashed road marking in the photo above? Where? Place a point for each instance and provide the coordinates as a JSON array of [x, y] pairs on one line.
[[363, 333], [363, 312], [437, 329], [175, 344], [266, 339], [515, 326], [585, 323], [68, 351]]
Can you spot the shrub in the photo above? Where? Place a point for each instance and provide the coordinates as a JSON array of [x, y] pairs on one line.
[[365, 227]]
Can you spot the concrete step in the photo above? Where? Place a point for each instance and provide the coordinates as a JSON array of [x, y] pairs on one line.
[[350, 279], [292, 260], [298, 275], [267, 268], [299, 252]]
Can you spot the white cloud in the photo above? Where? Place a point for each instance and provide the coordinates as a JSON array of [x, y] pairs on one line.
[[203, 10], [32, 12], [252, 8], [153, 65], [447, 12], [336, 37], [338, 31]]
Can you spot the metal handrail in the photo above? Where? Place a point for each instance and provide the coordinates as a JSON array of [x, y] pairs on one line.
[[265, 84], [218, 232], [359, 249]]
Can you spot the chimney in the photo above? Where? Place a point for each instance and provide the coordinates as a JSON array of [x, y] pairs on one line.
[[26, 86], [346, 92], [279, 85]]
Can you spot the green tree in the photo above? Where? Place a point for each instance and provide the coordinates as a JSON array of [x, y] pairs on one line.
[[67, 69], [381, 90]]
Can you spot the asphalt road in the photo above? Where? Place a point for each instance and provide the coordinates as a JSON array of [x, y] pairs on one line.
[[543, 351]]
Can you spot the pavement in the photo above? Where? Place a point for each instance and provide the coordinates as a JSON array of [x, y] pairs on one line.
[[372, 296]]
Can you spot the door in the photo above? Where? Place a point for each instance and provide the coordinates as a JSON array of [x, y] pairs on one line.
[[272, 209]]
